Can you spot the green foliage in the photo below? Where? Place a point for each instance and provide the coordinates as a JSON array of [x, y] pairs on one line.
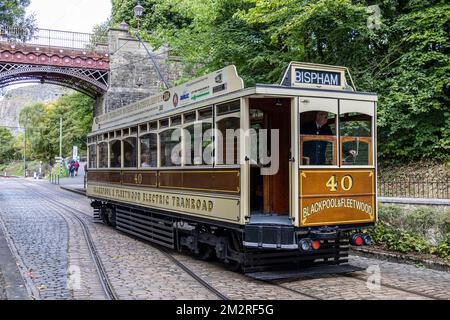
[[7, 147], [421, 230], [406, 58], [13, 14], [44, 122]]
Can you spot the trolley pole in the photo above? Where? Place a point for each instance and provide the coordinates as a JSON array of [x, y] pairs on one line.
[[60, 146]]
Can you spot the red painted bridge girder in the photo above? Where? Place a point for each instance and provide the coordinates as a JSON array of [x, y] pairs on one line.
[[82, 67], [53, 56]]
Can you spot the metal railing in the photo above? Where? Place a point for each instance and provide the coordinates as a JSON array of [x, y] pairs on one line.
[[414, 187], [54, 38]]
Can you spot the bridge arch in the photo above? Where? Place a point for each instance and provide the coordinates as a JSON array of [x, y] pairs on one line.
[[70, 59], [91, 82]]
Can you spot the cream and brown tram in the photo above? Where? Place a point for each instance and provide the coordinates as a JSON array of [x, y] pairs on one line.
[[256, 177]]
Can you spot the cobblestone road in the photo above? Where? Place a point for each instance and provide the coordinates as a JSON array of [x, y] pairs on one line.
[[56, 263]]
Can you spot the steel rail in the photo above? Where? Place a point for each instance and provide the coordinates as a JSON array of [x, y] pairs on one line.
[[390, 286], [181, 265], [103, 277]]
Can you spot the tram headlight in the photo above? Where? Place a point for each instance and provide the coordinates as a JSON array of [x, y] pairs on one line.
[[305, 244]]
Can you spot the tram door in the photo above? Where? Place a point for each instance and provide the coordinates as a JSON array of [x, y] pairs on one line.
[[270, 193]]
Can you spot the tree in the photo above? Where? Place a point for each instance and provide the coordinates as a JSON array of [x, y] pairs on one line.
[[7, 149], [13, 14], [405, 57], [44, 122]]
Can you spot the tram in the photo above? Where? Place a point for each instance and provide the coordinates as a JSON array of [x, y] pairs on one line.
[[256, 177]]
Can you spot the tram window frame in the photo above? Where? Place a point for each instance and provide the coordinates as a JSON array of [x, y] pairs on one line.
[[152, 167], [187, 117], [205, 113], [110, 143], [99, 166], [89, 157], [162, 131], [153, 125], [136, 152], [192, 163], [366, 108], [143, 128], [236, 115], [163, 123], [314, 104], [175, 120]]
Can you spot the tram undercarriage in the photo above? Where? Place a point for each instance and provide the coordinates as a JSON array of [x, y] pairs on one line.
[[236, 247]]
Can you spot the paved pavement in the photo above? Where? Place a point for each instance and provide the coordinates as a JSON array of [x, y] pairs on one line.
[[12, 285], [51, 248]]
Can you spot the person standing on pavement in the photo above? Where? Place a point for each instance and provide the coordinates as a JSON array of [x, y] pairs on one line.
[[76, 165], [71, 168]]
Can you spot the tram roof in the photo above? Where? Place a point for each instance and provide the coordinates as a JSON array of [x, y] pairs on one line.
[[221, 86]]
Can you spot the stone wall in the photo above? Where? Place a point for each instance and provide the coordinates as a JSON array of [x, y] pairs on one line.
[[132, 74]]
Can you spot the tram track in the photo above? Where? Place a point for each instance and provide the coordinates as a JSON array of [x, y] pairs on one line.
[[393, 287], [102, 273], [222, 296]]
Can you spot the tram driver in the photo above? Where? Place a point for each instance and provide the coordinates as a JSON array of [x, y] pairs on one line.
[[314, 150]]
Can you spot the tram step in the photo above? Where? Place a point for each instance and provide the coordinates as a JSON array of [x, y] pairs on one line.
[[315, 271]]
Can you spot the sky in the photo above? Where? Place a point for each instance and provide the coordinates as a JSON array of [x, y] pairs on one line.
[[70, 15]]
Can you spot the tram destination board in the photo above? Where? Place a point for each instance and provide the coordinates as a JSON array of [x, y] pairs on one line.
[[307, 76]]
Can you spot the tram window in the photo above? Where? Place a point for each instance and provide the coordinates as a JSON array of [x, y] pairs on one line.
[[168, 141], [130, 152], [115, 154], [195, 144], [174, 121], [164, 123], [356, 138], [318, 142], [205, 113], [103, 155], [149, 154], [227, 151], [143, 128], [189, 117], [153, 125], [92, 156], [228, 108]]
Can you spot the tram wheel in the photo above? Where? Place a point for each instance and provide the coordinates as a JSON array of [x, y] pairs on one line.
[[205, 252]]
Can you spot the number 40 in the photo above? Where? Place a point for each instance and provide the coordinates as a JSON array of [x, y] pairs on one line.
[[346, 183]]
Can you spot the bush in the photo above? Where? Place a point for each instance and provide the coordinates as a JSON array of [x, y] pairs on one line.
[[422, 230]]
